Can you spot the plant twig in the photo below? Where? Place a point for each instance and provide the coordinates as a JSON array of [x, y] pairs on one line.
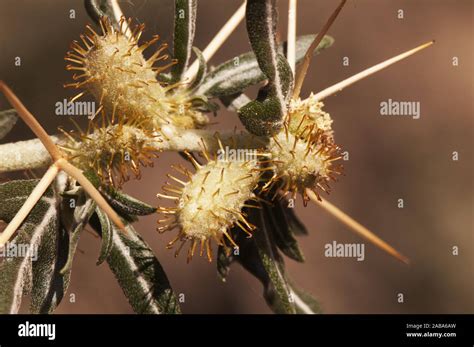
[[357, 227], [309, 54], [29, 204], [217, 41], [370, 71]]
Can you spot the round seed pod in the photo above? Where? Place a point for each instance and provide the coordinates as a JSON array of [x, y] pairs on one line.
[[111, 67], [112, 150], [302, 158], [209, 202]]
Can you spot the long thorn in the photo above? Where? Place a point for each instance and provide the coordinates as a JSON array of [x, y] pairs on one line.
[[29, 204], [217, 41], [31, 121], [309, 53], [291, 39], [357, 227], [118, 14], [74, 172], [366, 73]]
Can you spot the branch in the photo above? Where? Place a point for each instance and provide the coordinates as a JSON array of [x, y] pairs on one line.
[[31, 154]]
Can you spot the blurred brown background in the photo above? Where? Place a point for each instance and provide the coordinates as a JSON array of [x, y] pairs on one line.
[[390, 157]]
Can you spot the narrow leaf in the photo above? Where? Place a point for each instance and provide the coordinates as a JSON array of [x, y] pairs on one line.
[[139, 273], [240, 72], [38, 234], [304, 302], [125, 204], [107, 236], [263, 117], [184, 29], [8, 120], [225, 257], [283, 235], [202, 70]]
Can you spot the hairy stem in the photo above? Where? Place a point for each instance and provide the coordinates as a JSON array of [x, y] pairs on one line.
[[32, 154]]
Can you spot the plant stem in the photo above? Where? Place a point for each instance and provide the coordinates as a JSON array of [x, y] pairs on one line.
[[370, 71], [357, 227]]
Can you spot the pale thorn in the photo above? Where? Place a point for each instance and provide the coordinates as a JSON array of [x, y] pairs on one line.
[[357, 227], [299, 79], [118, 14], [291, 39], [77, 174], [366, 73], [217, 41], [29, 204]]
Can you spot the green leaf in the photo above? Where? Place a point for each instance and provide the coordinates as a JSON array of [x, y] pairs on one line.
[[8, 120], [261, 20], [40, 233], [225, 257], [107, 231], [184, 29], [235, 101], [304, 302], [282, 233], [295, 225], [125, 204], [202, 71], [260, 257], [238, 73], [74, 221], [263, 117], [139, 273], [280, 297]]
